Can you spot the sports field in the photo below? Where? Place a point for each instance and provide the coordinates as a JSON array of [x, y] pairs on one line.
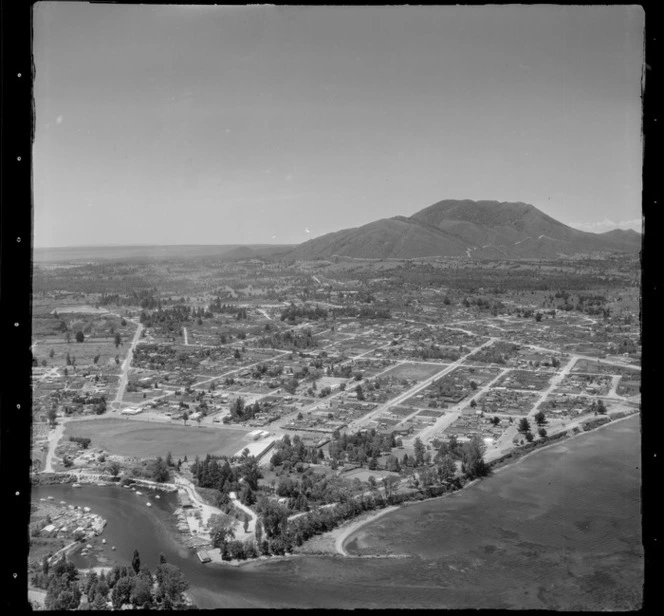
[[144, 439]]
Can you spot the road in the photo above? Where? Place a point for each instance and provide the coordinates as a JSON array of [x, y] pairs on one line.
[[207, 511], [354, 425], [54, 437], [454, 412], [122, 384], [264, 313]]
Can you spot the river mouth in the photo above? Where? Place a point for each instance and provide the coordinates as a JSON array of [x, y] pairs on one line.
[[556, 531]]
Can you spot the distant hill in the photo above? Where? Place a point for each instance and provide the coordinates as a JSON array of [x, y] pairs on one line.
[[478, 229], [98, 253]]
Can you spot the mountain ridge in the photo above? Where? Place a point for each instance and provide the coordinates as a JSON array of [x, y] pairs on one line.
[[477, 229]]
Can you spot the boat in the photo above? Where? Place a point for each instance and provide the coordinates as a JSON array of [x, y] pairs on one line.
[[149, 504], [157, 496], [103, 541], [75, 485], [139, 493], [113, 548]]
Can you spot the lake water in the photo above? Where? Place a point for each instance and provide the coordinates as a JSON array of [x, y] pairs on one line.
[[559, 530]]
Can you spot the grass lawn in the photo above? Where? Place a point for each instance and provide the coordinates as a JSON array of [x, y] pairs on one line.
[[418, 372], [144, 439]]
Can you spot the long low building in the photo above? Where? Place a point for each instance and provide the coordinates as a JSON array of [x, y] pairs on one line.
[[133, 411], [258, 448]]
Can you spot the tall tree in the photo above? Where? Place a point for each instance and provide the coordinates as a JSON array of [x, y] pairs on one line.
[[136, 562]]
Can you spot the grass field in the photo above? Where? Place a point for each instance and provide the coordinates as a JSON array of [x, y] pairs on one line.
[[148, 440], [418, 372]]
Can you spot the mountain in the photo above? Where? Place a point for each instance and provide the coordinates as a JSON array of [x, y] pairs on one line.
[[477, 229], [625, 237]]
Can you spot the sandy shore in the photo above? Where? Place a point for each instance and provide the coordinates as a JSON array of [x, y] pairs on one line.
[[332, 542]]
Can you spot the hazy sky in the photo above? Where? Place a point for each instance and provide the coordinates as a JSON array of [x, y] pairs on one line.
[[217, 125]]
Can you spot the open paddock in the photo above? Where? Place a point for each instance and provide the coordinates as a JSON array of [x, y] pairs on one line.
[[595, 367], [84, 352], [142, 439], [417, 372], [363, 474]]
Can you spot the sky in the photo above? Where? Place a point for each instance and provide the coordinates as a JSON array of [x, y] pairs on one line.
[[274, 125]]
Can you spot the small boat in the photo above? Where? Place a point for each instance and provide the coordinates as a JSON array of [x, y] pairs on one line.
[[74, 485], [113, 548], [103, 541], [157, 496], [50, 498], [149, 504], [139, 493], [63, 503]]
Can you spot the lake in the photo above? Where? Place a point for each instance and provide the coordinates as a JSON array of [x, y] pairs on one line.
[[560, 529]]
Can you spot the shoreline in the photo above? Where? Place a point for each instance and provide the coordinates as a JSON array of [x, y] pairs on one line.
[[332, 543], [339, 536]]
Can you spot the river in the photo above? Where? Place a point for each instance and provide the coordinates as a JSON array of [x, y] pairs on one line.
[[560, 529]]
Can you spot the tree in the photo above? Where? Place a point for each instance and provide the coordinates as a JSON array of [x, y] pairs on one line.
[[419, 452], [601, 408], [446, 469], [121, 593], [141, 594], [159, 470], [117, 339], [259, 532], [540, 418], [51, 415], [524, 425], [221, 530], [80, 336], [162, 558], [472, 458], [171, 582], [274, 518], [529, 436], [541, 432], [114, 468], [185, 416], [136, 562]]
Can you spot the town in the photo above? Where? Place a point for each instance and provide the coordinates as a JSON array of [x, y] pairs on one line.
[[265, 390]]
